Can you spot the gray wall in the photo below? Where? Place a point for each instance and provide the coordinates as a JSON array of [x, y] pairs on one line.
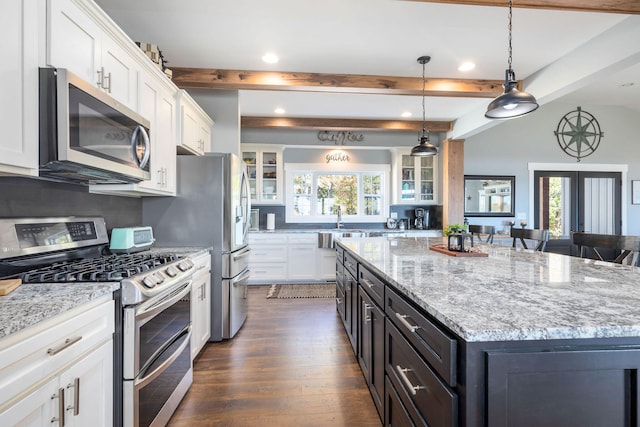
[[28, 197], [224, 108], [506, 149]]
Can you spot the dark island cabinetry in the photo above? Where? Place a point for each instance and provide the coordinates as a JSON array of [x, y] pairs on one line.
[[426, 369], [371, 329]]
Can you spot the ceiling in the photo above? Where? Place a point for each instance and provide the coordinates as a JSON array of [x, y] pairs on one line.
[[574, 56]]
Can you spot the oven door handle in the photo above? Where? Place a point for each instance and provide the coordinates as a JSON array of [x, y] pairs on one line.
[[152, 308], [144, 378]]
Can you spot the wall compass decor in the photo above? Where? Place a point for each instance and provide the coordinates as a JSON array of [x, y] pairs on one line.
[[578, 133]]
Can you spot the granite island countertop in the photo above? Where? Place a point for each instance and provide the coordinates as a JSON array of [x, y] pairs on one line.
[[512, 294], [32, 303]]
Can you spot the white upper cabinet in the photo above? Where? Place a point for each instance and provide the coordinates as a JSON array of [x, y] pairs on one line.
[[194, 133], [416, 178], [264, 169], [19, 37], [78, 40]]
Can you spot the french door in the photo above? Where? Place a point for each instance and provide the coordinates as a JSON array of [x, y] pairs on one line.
[[566, 201]]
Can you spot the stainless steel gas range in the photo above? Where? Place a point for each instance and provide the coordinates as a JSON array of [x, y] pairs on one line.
[[152, 359]]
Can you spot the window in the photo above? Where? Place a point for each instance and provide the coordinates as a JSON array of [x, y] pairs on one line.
[[317, 194]]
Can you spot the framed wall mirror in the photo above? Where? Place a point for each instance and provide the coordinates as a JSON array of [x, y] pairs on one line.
[[489, 195]]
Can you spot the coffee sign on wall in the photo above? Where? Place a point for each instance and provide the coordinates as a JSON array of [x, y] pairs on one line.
[[340, 137]]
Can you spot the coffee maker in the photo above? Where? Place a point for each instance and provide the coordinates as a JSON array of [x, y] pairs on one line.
[[422, 219]]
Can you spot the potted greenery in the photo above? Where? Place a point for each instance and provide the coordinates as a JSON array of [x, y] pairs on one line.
[[453, 229]]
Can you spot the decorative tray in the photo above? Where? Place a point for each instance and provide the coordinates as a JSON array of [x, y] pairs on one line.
[[443, 250]]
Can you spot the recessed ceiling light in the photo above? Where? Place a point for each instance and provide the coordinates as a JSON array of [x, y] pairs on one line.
[[407, 114], [466, 66], [279, 110], [270, 58]]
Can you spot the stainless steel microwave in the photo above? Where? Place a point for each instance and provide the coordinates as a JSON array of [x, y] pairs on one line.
[[88, 137]]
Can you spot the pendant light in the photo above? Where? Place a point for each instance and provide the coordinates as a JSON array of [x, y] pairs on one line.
[[512, 103], [424, 148]]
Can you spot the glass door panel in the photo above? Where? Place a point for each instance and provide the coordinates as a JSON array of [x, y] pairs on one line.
[[269, 176], [408, 178], [576, 201], [249, 158]]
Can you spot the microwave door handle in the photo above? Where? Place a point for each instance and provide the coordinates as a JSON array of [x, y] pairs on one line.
[[147, 152]]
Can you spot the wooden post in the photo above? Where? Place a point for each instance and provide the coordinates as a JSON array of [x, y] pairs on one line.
[[452, 181]]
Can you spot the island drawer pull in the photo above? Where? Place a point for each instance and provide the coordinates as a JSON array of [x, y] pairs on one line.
[[412, 388], [403, 319], [67, 343], [368, 282]]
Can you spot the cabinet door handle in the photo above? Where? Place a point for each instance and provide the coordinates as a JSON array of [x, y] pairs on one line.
[[67, 343], [403, 319], [60, 397], [403, 374], [106, 82], [100, 81], [76, 396], [367, 316]]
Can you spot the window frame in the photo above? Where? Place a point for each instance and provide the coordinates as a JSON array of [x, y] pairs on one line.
[[316, 169]]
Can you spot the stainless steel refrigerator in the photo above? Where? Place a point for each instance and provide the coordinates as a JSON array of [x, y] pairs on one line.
[[211, 209]]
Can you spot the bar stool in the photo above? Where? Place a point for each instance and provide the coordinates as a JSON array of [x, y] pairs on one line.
[[541, 236], [627, 246], [479, 230]]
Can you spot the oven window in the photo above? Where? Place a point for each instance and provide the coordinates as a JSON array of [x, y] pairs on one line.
[[154, 395], [159, 330]]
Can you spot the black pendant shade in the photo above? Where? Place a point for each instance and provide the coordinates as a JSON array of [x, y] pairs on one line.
[[424, 148], [512, 103]]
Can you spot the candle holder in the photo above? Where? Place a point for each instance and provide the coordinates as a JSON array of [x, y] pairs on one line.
[[523, 224], [460, 242]]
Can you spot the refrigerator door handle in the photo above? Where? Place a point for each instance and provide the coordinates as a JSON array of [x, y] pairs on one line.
[[245, 196], [244, 253], [244, 275]]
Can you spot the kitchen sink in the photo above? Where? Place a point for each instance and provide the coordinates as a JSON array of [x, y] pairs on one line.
[[326, 239]]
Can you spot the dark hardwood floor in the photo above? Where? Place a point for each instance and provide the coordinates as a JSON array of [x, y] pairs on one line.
[[291, 364]]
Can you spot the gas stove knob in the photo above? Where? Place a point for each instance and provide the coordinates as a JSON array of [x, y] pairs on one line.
[[149, 281], [171, 271], [185, 265], [159, 278]]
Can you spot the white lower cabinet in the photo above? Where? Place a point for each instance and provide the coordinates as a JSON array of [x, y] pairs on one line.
[[60, 373], [278, 257], [301, 257], [268, 257], [200, 304]]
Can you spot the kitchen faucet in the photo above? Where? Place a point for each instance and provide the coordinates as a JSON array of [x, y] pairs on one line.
[[339, 223]]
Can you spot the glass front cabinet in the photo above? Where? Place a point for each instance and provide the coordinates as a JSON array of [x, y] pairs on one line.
[[416, 178], [264, 167]]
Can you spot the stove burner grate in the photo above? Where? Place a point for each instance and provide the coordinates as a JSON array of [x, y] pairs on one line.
[[109, 268]]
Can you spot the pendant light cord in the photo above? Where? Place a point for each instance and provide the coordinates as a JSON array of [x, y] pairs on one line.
[[510, 18], [424, 116]]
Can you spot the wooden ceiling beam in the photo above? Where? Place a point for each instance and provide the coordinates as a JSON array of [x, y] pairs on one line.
[[206, 78], [343, 124], [631, 7]]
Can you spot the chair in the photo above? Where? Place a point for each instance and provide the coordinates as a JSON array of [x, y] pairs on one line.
[[522, 234], [477, 231], [622, 247]]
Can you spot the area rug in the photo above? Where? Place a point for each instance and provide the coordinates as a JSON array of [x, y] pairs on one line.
[[310, 290]]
